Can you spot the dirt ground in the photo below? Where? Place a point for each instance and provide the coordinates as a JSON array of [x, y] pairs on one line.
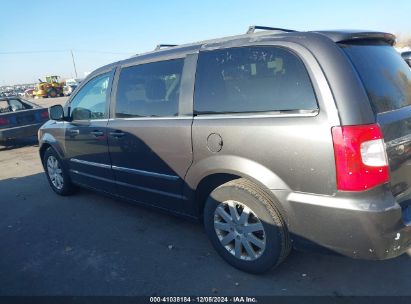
[[48, 102]]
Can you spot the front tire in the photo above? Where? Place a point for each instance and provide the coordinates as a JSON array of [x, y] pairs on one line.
[[56, 173], [245, 226]]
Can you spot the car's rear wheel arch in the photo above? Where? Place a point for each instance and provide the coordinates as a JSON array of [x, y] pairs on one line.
[[213, 181], [207, 185]]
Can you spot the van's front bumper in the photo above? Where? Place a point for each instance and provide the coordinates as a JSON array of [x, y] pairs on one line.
[[366, 225]]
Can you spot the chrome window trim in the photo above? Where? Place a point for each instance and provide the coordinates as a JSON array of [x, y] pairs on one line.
[[93, 120], [222, 116], [231, 116], [153, 118]]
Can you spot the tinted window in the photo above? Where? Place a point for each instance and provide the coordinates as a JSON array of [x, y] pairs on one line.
[[90, 101], [385, 75], [252, 79], [17, 105], [149, 90]]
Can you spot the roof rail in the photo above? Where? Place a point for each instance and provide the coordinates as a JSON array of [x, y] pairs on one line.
[[160, 46], [252, 28]]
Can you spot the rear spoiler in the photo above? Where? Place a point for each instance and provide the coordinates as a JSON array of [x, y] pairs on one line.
[[352, 36]]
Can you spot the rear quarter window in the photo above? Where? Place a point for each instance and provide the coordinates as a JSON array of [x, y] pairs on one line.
[[385, 75], [252, 79]]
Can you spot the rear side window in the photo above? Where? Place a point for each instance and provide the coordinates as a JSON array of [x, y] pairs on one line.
[[149, 90], [385, 75], [252, 79]]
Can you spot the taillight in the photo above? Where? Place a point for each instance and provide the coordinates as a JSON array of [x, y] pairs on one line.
[[4, 121], [45, 115], [360, 157]]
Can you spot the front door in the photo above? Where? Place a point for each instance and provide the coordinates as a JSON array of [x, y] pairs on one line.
[[86, 135]]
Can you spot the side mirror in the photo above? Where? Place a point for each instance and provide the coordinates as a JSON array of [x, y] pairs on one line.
[[56, 112]]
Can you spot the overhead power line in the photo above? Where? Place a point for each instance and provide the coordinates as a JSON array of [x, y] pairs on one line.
[[32, 52]]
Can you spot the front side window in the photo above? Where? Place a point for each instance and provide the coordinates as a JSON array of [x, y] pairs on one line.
[[252, 79], [149, 90], [90, 101]]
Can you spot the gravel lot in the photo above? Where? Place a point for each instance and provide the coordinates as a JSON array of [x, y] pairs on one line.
[[88, 244], [48, 102]]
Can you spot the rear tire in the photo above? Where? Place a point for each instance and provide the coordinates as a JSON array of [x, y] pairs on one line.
[[56, 173], [245, 226]]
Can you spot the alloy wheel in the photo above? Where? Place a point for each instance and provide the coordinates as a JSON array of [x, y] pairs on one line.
[[55, 172], [239, 230]]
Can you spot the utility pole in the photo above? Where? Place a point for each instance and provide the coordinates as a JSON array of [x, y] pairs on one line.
[[74, 63]]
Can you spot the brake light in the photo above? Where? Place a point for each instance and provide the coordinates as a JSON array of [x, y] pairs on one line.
[[45, 114], [4, 121], [360, 157]]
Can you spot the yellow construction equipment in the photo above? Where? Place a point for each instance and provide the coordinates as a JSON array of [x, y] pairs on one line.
[[52, 87]]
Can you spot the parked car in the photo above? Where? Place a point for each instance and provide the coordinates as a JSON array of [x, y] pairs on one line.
[[68, 89], [29, 93], [9, 93], [20, 118], [272, 139], [407, 57]]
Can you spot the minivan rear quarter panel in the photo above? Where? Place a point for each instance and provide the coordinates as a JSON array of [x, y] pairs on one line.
[[296, 149]]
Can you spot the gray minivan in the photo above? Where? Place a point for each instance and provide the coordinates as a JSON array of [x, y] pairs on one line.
[[273, 139]]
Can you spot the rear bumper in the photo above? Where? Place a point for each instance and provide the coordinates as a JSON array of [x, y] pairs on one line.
[[22, 131], [369, 225]]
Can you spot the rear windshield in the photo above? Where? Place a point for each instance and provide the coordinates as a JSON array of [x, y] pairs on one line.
[[385, 75]]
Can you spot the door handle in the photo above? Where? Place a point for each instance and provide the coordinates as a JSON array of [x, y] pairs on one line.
[[97, 133], [117, 134], [74, 132]]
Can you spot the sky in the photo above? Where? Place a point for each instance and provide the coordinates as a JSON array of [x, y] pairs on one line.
[[36, 37]]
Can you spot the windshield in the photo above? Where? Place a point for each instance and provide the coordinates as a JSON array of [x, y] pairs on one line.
[[385, 75]]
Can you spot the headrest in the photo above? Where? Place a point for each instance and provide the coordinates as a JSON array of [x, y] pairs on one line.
[[155, 89]]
